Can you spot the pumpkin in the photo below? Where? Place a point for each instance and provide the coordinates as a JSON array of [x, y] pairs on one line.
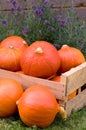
[[40, 60], [20, 72], [58, 79], [15, 41], [38, 106], [10, 92], [70, 57], [10, 58]]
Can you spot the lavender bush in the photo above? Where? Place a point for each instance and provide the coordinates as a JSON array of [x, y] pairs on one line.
[[44, 23]]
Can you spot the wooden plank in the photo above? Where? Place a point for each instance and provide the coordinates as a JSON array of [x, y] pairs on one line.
[[76, 103], [81, 13], [6, 5], [64, 3], [57, 89], [75, 78]]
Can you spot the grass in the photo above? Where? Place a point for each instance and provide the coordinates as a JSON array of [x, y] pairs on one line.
[[76, 121]]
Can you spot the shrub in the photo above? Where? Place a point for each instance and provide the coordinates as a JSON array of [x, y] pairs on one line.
[[42, 22]]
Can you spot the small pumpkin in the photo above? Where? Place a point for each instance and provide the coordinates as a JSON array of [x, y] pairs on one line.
[[40, 60], [20, 72], [15, 41], [70, 57], [58, 79], [10, 58], [38, 106], [10, 92]]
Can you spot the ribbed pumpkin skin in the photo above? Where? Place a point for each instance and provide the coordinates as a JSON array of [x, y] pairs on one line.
[[38, 106], [42, 63], [10, 58], [15, 41], [10, 92], [70, 57]]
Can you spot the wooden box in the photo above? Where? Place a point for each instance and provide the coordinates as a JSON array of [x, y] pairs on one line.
[[72, 80]]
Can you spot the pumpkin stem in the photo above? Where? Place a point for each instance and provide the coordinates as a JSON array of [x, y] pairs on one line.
[[24, 42], [39, 50], [63, 113], [11, 47]]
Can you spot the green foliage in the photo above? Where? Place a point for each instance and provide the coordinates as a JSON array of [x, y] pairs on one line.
[[42, 22]]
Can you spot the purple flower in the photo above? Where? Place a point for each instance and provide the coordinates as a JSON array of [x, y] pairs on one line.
[[14, 3], [25, 31], [5, 22], [39, 11], [46, 22], [52, 28], [56, 45], [45, 1], [19, 8], [12, 10]]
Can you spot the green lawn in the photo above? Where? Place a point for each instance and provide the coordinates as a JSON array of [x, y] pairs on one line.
[[76, 121]]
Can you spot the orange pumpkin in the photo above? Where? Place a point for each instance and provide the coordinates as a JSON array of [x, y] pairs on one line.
[[15, 41], [70, 57], [38, 106], [58, 79], [20, 72], [10, 58], [40, 59], [10, 92]]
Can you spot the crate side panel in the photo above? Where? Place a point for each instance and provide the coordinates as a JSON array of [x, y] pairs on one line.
[[76, 103], [75, 78], [58, 89]]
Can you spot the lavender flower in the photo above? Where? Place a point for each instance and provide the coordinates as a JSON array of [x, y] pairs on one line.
[[45, 1], [5, 22], [39, 11], [12, 10], [52, 28], [14, 3], [19, 8], [25, 31], [46, 22], [57, 45]]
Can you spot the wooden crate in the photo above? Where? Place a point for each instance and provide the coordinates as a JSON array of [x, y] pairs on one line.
[[75, 79]]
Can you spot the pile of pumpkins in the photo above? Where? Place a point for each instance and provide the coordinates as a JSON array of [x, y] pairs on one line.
[[36, 105]]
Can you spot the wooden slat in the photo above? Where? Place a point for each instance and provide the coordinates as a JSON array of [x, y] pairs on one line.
[[57, 4], [64, 3], [76, 103], [58, 89], [75, 78], [5, 5], [81, 13]]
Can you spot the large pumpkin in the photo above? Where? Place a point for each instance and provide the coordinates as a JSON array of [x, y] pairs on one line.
[[70, 57], [10, 58], [15, 41], [10, 92], [40, 59], [38, 106]]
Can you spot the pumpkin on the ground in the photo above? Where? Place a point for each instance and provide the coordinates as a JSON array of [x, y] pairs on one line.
[[10, 58], [70, 57], [10, 92], [40, 59], [15, 41], [38, 106]]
